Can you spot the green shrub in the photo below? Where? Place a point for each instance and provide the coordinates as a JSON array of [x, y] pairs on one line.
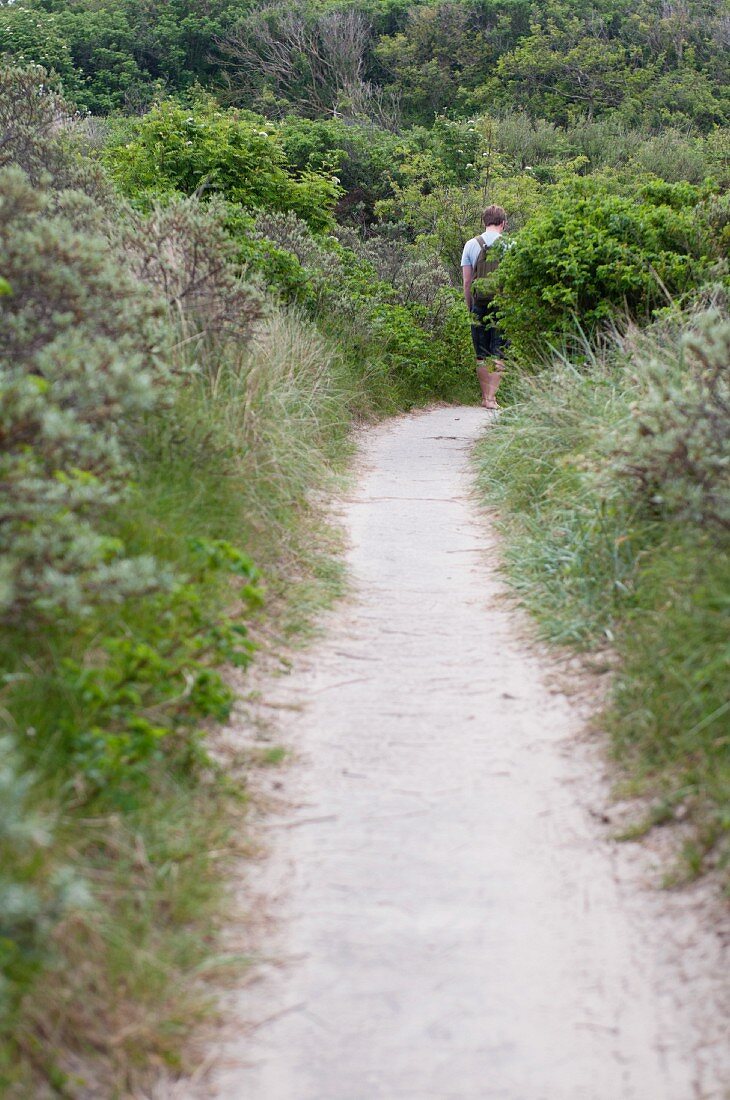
[[141, 703], [674, 157], [415, 326], [174, 149], [362, 157], [119, 54], [33, 37], [34, 893], [591, 253]]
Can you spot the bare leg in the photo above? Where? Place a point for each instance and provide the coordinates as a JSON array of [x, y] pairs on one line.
[[491, 384], [483, 374]]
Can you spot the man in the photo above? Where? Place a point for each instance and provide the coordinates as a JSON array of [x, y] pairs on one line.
[[488, 342]]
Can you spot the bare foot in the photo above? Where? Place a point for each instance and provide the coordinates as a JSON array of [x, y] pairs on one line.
[[489, 403]]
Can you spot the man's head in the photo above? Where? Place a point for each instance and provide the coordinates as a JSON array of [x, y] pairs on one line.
[[494, 217]]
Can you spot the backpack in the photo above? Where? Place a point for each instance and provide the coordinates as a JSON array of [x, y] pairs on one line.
[[484, 266]]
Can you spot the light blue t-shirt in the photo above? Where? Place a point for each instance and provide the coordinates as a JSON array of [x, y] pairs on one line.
[[472, 248]]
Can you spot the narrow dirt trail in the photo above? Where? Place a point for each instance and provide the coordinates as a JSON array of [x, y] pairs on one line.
[[448, 918]]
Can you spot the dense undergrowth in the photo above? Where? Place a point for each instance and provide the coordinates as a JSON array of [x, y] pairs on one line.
[[229, 231]]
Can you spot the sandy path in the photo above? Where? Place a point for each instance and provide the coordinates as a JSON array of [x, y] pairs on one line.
[[449, 918]]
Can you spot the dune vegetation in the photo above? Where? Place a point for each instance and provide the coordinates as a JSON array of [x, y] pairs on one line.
[[229, 232]]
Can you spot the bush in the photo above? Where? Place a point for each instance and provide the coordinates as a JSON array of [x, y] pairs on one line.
[[674, 157], [592, 253], [415, 327], [32, 37], [184, 253], [78, 356], [173, 149], [675, 445], [415, 271], [116, 55], [33, 893], [362, 157], [37, 134]]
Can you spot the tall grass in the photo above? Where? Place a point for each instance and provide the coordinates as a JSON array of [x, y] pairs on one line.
[[614, 537]]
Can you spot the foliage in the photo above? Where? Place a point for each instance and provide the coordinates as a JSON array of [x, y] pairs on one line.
[[593, 252], [668, 714], [205, 149], [282, 55], [116, 53], [415, 271], [674, 157], [415, 324], [141, 701], [676, 444], [35, 134], [426, 60], [363, 157], [655, 65], [649, 64], [77, 354], [30, 36], [33, 893], [116, 614], [179, 372], [184, 253]]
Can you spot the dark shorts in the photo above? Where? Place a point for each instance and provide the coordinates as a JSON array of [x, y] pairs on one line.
[[488, 340]]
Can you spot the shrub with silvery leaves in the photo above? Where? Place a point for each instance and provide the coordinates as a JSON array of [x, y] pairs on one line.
[[676, 445], [79, 364]]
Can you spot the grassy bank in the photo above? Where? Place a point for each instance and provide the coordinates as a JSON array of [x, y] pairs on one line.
[[612, 488]]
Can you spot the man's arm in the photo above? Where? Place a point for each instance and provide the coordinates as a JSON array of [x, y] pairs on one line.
[[467, 274]]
